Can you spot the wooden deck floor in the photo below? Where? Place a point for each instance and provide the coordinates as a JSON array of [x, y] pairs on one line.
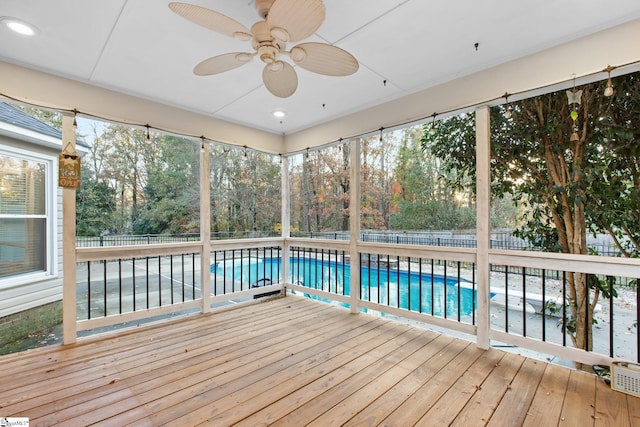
[[292, 361]]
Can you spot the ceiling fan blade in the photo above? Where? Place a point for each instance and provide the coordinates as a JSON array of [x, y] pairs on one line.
[[300, 18], [221, 63], [324, 59], [210, 19], [280, 79]]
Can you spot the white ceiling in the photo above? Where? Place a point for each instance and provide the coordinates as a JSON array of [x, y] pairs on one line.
[[142, 48]]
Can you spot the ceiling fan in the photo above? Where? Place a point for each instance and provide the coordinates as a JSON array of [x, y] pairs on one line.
[[284, 21]]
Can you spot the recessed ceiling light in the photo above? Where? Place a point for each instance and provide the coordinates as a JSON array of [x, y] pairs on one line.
[[279, 114], [19, 26]]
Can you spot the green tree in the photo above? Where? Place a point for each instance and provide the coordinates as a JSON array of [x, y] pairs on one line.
[[616, 180], [171, 198], [376, 179], [553, 164], [320, 190], [423, 195], [95, 204], [245, 190]]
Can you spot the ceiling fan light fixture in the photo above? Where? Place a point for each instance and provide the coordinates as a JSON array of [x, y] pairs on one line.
[[608, 90], [267, 54], [298, 54]]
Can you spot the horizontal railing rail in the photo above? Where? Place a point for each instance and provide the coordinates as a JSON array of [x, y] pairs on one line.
[[322, 269], [120, 284], [135, 251], [414, 266], [245, 272], [431, 284], [537, 314], [391, 263]]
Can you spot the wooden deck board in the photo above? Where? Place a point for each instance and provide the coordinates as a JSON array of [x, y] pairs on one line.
[[547, 403], [293, 361], [488, 396], [358, 375], [279, 401], [281, 392], [612, 408], [177, 357], [449, 405], [392, 398], [579, 403], [512, 409]]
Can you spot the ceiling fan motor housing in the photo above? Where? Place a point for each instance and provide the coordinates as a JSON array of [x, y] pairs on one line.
[[267, 53]]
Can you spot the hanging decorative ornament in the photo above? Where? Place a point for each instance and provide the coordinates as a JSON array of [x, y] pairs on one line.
[[574, 98], [69, 167], [507, 108], [608, 90], [432, 130]]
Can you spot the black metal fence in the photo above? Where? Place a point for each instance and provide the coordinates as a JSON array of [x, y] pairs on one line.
[[153, 239], [505, 242]]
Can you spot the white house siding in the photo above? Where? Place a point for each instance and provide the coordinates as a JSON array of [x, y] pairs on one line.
[[23, 292]]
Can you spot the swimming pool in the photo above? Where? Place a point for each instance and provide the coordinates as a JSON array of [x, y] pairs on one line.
[[424, 293]]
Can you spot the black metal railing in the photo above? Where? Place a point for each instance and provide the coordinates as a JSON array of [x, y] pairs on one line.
[[243, 269], [436, 287], [126, 285], [542, 309], [320, 269]]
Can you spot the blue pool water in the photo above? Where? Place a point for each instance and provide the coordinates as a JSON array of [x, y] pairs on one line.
[[414, 291]]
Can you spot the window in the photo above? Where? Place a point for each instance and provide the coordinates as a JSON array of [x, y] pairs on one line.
[[25, 214]]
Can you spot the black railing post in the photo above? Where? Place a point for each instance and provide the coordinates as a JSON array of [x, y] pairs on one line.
[[610, 280]]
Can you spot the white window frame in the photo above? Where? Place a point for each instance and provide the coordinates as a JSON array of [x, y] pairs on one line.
[[51, 196]]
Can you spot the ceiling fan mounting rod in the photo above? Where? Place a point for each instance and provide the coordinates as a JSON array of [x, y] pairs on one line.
[[263, 7]]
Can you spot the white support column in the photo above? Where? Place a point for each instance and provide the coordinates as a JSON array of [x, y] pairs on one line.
[[483, 230], [285, 217], [205, 227], [354, 223], [69, 316]]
